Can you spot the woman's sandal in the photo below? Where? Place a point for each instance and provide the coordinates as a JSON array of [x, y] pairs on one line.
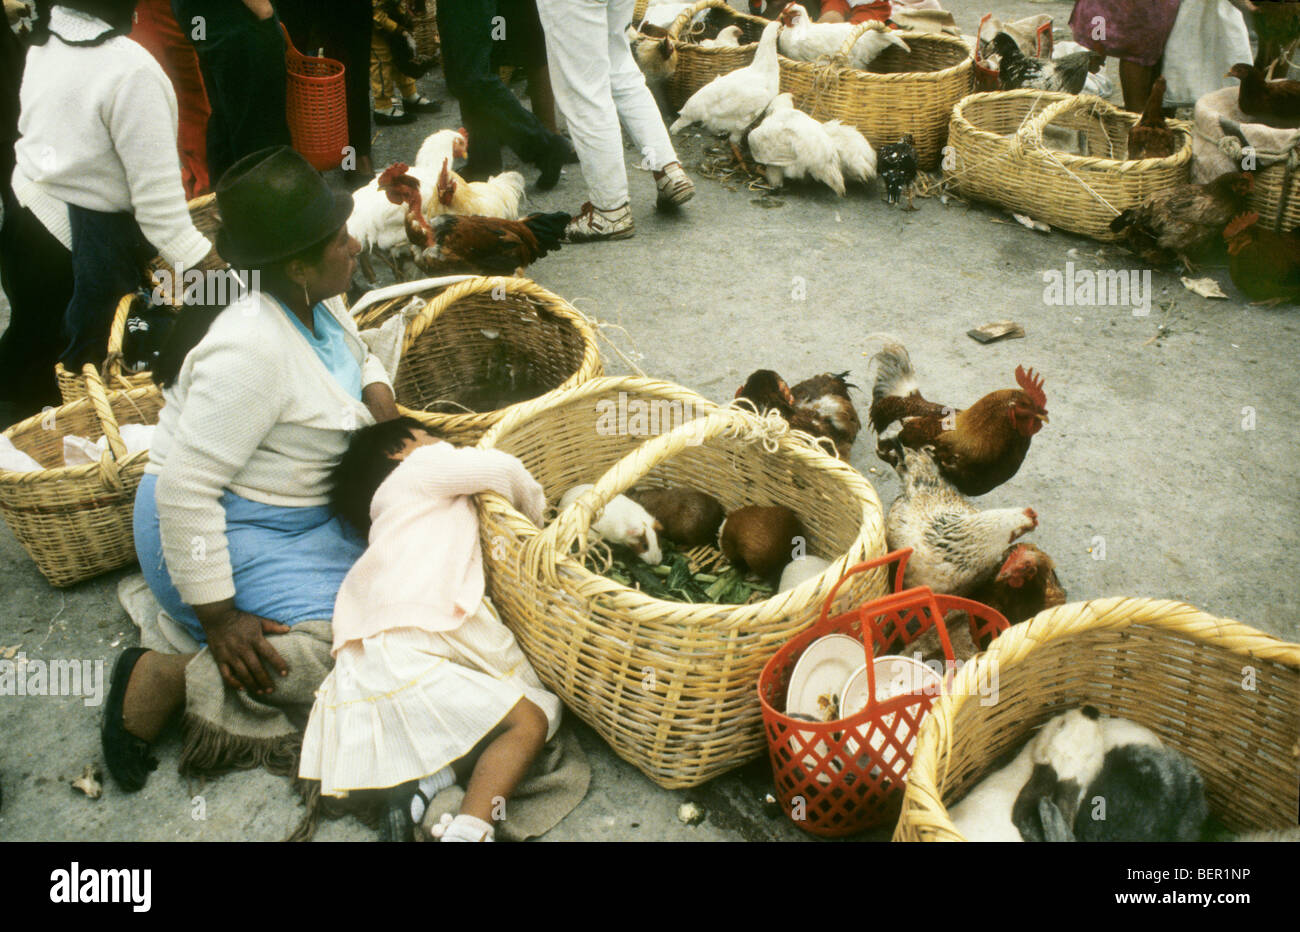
[[128, 757]]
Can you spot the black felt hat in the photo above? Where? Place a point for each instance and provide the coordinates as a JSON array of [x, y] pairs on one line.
[[274, 205]]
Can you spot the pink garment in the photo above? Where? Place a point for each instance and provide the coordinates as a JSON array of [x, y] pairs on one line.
[[1124, 29], [423, 568]]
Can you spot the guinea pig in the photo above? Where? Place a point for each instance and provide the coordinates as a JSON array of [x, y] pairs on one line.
[[801, 570], [761, 538], [624, 522], [688, 517]]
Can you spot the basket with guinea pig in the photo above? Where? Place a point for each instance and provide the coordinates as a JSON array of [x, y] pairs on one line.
[[901, 92], [670, 685], [698, 64], [480, 347], [1224, 695], [841, 747], [1005, 151], [116, 375], [76, 521]]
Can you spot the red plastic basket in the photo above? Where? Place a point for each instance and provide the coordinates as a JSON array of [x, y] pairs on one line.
[[316, 106], [840, 777]]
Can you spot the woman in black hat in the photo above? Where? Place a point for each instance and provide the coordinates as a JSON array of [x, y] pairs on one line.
[[232, 526]]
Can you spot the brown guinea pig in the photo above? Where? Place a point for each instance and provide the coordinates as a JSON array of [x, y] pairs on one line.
[[690, 518], [761, 539]]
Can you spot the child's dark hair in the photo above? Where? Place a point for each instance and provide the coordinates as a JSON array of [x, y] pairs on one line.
[[364, 466]]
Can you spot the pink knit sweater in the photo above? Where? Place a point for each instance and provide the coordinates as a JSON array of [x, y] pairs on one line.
[[424, 568]]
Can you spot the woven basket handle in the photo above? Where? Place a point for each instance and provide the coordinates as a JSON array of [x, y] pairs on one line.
[[108, 423], [860, 30], [1030, 134], [573, 523], [685, 16], [116, 335]]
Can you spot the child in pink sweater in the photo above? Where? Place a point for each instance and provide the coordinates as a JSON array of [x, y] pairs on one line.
[[428, 686]]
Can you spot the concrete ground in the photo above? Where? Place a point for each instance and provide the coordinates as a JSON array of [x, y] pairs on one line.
[[1147, 481]]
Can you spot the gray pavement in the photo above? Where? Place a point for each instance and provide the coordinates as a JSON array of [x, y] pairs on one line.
[[1146, 450]]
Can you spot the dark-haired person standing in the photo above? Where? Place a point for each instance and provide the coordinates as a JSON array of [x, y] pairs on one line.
[[97, 192]]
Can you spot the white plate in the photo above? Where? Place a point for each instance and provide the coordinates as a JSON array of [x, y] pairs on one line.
[[895, 676], [819, 676]]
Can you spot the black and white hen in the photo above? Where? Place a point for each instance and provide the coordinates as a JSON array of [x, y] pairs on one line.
[[1016, 69], [896, 166]]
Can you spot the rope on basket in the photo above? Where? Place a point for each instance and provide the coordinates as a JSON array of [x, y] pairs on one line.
[[600, 326], [1231, 147], [769, 427]]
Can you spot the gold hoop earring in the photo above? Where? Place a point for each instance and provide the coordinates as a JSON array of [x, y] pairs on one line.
[[306, 297]]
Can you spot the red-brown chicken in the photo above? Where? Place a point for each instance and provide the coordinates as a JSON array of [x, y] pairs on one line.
[[820, 406], [487, 245], [1261, 98], [1150, 137], [1264, 265], [1179, 222], [976, 449], [1024, 586]]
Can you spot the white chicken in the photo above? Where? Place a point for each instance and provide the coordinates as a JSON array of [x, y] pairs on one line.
[[857, 158], [791, 144], [377, 223], [804, 40], [727, 38], [731, 102], [955, 546]]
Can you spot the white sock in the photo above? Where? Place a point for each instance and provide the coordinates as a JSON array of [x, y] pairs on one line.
[[468, 828], [431, 786]]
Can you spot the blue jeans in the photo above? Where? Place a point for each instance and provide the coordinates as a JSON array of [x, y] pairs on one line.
[[288, 563]]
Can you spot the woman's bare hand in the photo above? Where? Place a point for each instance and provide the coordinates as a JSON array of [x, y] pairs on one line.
[[239, 646], [262, 9]]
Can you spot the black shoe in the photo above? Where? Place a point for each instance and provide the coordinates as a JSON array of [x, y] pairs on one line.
[[397, 824], [559, 152], [128, 757], [421, 104], [391, 119]]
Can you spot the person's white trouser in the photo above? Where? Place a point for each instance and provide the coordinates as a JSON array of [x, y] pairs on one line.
[[597, 83]]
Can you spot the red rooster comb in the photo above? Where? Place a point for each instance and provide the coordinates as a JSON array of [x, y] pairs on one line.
[[1240, 224], [1032, 385], [464, 133], [392, 173]]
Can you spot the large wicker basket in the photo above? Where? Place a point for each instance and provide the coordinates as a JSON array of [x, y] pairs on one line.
[[697, 66], [75, 521], [671, 686], [999, 155], [1225, 695], [902, 93], [466, 329], [72, 385]]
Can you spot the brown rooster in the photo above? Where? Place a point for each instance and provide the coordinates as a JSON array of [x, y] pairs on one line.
[[820, 406], [487, 245], [976, 449], [1260, 98], [1024, 586], [1264, 265], [1181, 221], [1150, 138]]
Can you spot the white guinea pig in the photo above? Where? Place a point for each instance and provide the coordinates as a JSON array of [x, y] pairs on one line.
[[625, 522]]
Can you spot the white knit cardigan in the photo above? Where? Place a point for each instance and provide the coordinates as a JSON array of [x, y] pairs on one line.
[[98, 129], [255, 411]]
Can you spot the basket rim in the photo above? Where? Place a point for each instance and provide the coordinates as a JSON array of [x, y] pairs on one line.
[[685, 16], [556, 305], [960, 122], [628, 599], [870, 77], [934, 741]]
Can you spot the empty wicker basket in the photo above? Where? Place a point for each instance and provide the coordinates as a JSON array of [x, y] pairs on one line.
[[999, 155], [1222, 693], [482, 332], [902, 93], [697, 66], [76, 521], [671, 686]]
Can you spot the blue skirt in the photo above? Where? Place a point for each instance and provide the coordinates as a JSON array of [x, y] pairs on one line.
[[288, 563]]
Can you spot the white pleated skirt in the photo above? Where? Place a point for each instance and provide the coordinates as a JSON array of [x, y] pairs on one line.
[[405, 703]]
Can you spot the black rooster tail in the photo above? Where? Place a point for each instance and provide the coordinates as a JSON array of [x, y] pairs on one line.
[[548, 228], [1072, 71]]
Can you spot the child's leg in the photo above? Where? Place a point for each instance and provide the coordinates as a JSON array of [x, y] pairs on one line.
[[506, 755]]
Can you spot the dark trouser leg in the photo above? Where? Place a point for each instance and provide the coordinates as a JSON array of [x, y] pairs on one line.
[[466, 30], [36, 272], [108, 255]]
